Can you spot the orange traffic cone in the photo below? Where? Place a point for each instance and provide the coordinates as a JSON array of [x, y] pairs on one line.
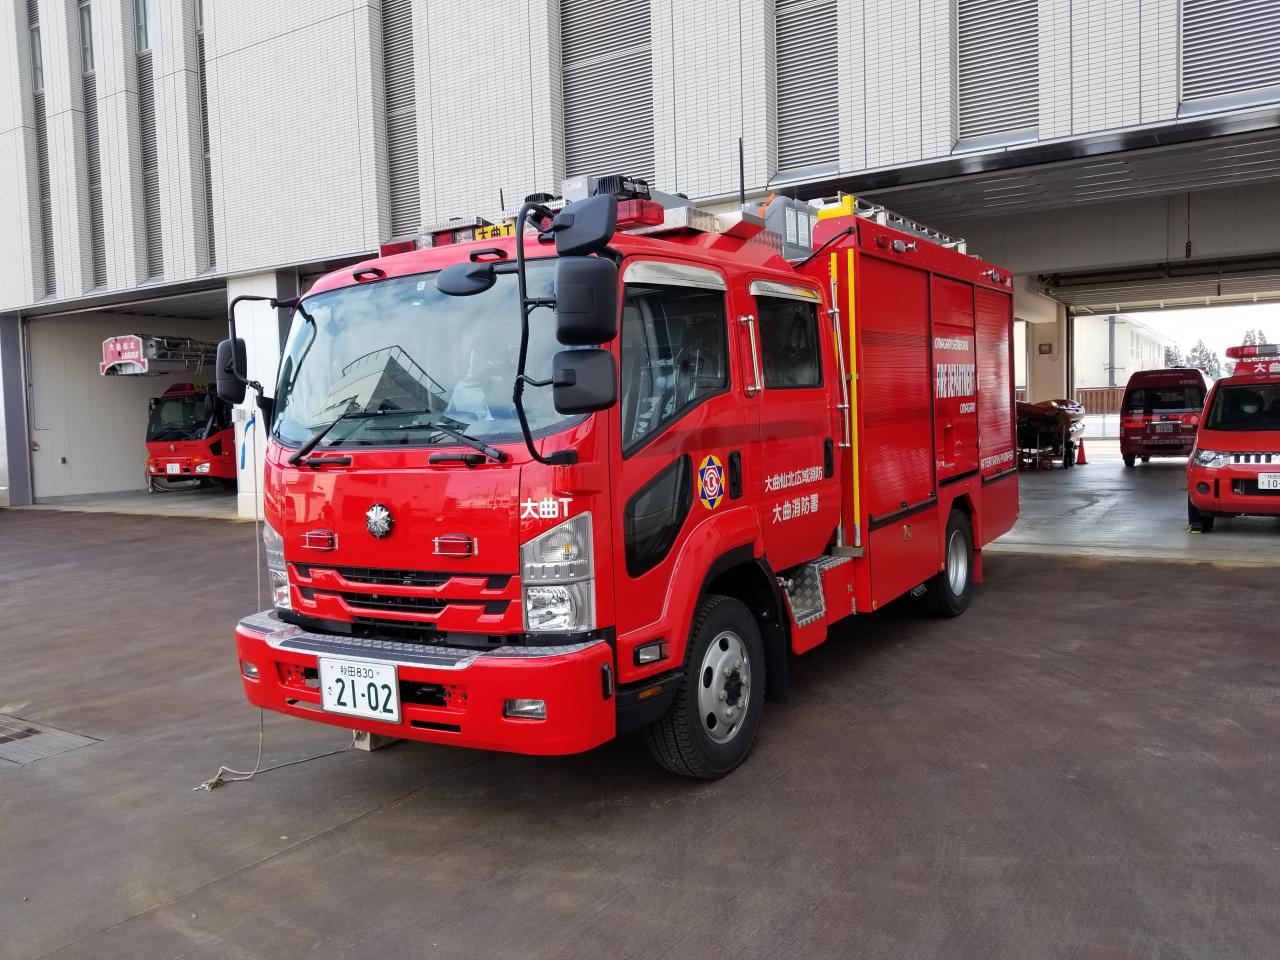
[[1080, 460]]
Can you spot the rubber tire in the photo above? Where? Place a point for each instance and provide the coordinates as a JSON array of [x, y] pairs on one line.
[[1146, 459], [1198, 519], [679, 741], [1068, 455], [1130, 460], [938, 598]]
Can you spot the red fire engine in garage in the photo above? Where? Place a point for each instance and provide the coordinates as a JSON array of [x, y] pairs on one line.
[[190, 438], [1235, 468], [611, 472]]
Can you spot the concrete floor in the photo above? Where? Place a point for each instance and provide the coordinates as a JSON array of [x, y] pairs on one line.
[[1104, 510], [1098, 782], [204, 502]]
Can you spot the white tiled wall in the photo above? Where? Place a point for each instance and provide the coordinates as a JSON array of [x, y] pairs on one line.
[[295, 111]]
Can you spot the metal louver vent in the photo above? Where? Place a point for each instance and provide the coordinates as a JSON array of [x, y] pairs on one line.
[[607, 87], [1230, 47], [93, 163], [999, 68], [402, 116], [211, 257], [46, 197], [806, 46], [150, 166]]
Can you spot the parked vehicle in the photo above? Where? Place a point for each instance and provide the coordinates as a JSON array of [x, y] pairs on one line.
[[1159, 413], [190, 438], [1235, 468], [612, 471]]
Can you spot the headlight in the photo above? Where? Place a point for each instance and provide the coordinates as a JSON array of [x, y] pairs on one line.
[[559, 589], [277, 570], [1211, 458], [203, 467]]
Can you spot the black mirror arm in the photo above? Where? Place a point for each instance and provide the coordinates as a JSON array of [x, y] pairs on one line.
[[230, 368], [527, 306]]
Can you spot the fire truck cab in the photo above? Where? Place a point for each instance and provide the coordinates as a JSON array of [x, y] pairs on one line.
[[612, 472], [1235, 469]]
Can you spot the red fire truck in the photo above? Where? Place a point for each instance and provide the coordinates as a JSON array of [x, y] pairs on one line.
[[190, 438], [612, 472], [1235, 468]]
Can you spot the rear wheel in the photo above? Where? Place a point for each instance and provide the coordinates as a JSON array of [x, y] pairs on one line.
[[712, 724], [1146, 459], [948, 592], [1199, 519], [1130, 459]]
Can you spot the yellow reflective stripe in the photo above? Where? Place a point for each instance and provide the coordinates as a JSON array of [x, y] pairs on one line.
[[853, 406]]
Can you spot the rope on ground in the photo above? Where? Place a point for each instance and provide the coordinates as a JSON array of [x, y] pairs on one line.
[[227, 775]]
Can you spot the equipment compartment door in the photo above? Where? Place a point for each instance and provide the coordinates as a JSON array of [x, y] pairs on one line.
[[955, 395], [799, 492]]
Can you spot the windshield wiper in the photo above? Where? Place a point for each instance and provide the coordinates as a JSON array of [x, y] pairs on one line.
[[311, 444], [492, 452]]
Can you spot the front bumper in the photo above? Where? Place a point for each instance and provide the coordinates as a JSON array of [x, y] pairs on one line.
[[1230, 490], [447, 694]]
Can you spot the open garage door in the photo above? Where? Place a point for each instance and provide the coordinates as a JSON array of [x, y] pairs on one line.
[[89, 431], [1168, 285]]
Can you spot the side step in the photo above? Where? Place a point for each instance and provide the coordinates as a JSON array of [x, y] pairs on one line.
[[804, 589]]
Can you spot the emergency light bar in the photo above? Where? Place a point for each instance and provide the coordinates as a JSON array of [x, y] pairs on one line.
[[1254, 350]]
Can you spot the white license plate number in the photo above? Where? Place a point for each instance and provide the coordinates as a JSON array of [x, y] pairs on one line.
[[359, 688], [1164, 427], [173, 468], [1269, 481]]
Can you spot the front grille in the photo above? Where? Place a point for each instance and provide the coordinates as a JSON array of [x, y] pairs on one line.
[[1255, 458], [404, 578], [379, 601]]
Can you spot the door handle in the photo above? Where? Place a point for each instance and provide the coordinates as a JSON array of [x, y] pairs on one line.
[[735, 474], [750, 321], [828, 458]]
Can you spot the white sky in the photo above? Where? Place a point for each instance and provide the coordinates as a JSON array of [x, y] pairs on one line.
[[1219, 327]]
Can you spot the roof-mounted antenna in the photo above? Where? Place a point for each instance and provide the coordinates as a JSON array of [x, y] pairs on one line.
[[742, 176]]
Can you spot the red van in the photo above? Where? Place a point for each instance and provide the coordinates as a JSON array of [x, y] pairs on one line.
[[1235, 469], [1159, 413]]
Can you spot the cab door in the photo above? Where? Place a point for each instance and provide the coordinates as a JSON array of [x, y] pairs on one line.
[[794, 479], [682, 434]]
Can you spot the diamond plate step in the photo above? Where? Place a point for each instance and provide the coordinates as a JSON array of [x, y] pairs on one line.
[[805, 594], [22, 741]]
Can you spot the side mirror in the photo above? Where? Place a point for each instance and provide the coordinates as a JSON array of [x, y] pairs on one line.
[[586, 301], [231, 363], [584, 381], [585, 226], [466, 279]]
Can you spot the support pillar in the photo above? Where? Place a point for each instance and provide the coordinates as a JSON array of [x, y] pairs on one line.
[[15, 445]]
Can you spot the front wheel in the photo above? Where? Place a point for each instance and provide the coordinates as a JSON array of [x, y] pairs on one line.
[[948, 592], [1199, 519], [712, 725]]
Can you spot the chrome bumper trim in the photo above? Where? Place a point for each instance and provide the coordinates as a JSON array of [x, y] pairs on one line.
[[286, 636]]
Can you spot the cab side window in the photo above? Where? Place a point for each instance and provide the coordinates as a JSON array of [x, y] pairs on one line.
[[674, 354], [790, 349]]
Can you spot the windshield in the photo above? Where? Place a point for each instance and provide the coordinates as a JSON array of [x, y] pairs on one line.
[[1161, 400], [401, 345], [185, 417], [1245, 407]]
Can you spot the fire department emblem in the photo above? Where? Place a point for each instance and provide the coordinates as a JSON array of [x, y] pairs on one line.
[[711, 481], [378, 519]]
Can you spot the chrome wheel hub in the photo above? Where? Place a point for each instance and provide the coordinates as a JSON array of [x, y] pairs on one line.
[[957, 563], [724, 687]]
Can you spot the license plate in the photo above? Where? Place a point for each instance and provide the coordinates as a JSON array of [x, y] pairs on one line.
[[1164, 428], [173, 468], [1269, 481], [359, 688]]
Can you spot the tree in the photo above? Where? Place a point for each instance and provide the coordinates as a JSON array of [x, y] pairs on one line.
[[1173, 357], [1255, 336], [1204, 358]]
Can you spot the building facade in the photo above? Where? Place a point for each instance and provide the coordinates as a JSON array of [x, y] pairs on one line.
[[156, 150]]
